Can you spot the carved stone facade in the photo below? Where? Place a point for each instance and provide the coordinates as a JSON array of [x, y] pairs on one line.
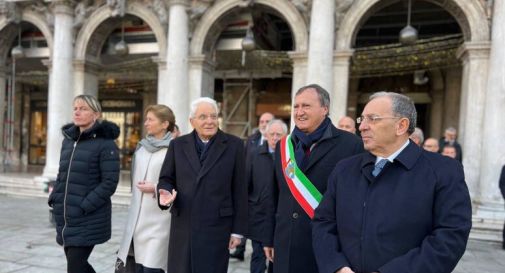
[[203, 23]]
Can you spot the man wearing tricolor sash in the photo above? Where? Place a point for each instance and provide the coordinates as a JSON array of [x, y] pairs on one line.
[[303, 162]]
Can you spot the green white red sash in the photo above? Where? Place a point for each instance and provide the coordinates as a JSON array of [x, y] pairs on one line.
[[304, 192]]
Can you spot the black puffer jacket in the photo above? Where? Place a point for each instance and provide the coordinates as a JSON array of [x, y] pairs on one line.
[[87, 177]]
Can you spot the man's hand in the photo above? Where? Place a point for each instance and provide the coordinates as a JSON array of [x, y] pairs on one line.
[[345, 270], [167, 198], [234, 242], [146, 187], [269, 253]]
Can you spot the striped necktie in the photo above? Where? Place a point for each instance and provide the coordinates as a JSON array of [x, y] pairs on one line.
[[379, 166]]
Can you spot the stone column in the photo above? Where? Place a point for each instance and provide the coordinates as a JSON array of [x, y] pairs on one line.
[[59, 102], [201, 78], [177, 91], [85, 78], [437, 104], [3, 105], [162, 81], [352, 98], [475, 57], [321, 44], [493, 147], [299, 74], [437, 114], [341, 63], [452, 99]]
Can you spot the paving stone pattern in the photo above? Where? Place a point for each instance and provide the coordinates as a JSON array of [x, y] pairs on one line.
[[27, 243]]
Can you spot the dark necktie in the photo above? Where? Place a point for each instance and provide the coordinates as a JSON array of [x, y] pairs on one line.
[[378, 167]]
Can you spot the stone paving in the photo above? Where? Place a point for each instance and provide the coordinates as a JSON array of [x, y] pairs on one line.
[[27, 243]]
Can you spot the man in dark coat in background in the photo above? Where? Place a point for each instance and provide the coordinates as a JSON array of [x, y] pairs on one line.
[[316, 146], [202, 179], [502, 189], [253, 142], [261, 180], [395, 209]]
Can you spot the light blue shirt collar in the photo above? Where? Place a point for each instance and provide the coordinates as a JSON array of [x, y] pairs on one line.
[[392, 157]]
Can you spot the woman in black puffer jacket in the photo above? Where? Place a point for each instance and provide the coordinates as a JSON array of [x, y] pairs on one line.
[[87, 177]]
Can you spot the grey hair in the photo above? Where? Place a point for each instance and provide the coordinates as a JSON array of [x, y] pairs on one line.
[[402, 106], [419, 134], [451, 130], [277, 121], [91, 101], [197, 102], [324, 96]]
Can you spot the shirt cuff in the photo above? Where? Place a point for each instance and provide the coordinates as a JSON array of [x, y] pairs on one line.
[[237, 236]]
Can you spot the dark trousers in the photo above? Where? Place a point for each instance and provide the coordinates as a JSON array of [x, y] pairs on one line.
[[77, 259], [142, 269], [258, 259]]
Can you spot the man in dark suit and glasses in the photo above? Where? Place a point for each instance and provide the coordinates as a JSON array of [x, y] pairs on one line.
[[396, 208], [202, 180]]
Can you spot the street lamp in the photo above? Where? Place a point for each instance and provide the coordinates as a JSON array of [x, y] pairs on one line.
[[17, 51], [408, 35], [121, 47]]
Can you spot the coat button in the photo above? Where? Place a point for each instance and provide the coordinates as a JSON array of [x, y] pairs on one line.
[[295, 215]]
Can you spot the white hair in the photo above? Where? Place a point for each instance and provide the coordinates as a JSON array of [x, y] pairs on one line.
[[277, 121], [197, 102]]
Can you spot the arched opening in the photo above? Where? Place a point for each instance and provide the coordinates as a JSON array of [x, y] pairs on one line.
[[120, 58], [24, 86], [249, 82], [428, 71]]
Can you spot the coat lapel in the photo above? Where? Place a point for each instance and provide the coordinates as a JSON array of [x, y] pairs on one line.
[[216, 150], [323, 147], [367, 165], [191, 154]]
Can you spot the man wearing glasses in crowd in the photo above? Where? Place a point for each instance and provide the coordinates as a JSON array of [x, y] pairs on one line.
[[396, 208]]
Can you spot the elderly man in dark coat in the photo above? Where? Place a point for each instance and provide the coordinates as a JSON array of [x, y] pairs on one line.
[[396, 208], [202, 179], [303, 163], [261, 180]]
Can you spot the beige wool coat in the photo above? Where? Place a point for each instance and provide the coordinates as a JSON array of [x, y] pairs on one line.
[[147, 226]]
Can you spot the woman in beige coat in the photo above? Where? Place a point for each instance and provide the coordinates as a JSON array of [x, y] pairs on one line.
[[147, 229]]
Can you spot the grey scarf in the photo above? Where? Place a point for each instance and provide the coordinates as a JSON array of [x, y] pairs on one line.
[[152, 145]]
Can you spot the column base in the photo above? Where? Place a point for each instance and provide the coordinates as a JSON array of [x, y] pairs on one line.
[[487, 221]]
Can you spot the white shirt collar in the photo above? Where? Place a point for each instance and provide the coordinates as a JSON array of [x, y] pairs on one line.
[[392, 157]]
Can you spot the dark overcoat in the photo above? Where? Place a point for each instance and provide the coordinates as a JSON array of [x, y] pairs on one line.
[[211, 202], [502, 182], [414, 217], [87, 177], [292, 239], [260, 180]]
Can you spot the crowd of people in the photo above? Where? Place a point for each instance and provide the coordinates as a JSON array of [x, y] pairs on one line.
[[317, 199]]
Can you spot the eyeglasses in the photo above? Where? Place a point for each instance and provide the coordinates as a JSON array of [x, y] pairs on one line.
[[372, 119], [205, 117]]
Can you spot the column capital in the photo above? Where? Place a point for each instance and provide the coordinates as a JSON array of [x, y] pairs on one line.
[[298, 57], [63, 7], [474, 50], [342, 56], [47, 63], [162, 64], [86, 66], [201, 60], [178, 2]]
